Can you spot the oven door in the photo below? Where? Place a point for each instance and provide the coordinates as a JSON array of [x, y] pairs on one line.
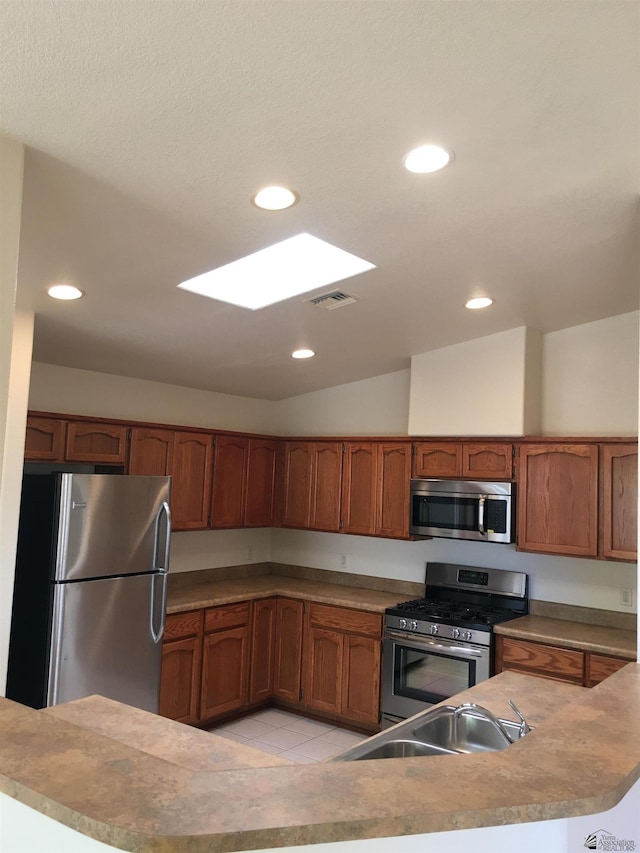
[[418, 671]]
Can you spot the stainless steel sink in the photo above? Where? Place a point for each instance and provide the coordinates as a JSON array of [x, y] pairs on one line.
[[447, 730]]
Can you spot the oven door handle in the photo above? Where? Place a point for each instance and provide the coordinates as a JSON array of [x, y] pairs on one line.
[[474, 653]]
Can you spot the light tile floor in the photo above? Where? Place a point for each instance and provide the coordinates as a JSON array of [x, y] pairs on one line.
[[292, 737]]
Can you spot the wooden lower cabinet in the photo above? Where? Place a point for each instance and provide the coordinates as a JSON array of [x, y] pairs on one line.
[[225, 659], [181, 667], [341, 663], [317, 657], [556, 662], [287, 653]]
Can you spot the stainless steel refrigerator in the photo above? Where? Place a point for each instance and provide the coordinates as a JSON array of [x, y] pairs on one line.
[[90, 589]]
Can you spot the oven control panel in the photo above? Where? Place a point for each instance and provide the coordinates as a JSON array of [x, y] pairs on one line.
[[423, 628]]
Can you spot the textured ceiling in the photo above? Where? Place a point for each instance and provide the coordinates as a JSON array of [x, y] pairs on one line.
[[149, 125]]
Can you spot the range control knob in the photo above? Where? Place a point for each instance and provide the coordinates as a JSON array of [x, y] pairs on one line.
[[403, 623], [455, 633], [467, 635], [434, 629], [413, 625]]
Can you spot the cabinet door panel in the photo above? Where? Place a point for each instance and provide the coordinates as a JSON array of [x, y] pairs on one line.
[[191, 488], [487, 461], [361, 679], [96, 443], [225, 677], [288, 649], [262, 650], [296, 510], [558, 499], [261, 482], [229, 481], [151, 452], [601, 667], [359, 480], [433, 459], [541, 659], [394, 477], [325, 487], [323, 670], [45, 439], [180, 679], [619, 501]]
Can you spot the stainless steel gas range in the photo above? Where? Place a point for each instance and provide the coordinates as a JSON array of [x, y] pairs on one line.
[[439, 645]]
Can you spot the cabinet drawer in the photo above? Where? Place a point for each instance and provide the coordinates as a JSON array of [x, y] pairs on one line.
[[541, 659], [178, 625], [227, 616], [601, 667], [346, 620]]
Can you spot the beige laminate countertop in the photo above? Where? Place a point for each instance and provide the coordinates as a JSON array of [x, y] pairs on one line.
[[85, 765], [573, 635], [208, 593]]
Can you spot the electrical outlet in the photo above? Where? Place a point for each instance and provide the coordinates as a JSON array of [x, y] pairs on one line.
[[626, 596], [343, 561]]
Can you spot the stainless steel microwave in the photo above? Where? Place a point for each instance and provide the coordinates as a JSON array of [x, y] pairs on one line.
[[463, 509]]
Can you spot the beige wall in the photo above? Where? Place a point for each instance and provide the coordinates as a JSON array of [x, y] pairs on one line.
[[590, 378], [16, 337], [82, 392], [377, 406], [488, 386]]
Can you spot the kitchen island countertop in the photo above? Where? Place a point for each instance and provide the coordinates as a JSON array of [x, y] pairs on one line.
[[79, 766]]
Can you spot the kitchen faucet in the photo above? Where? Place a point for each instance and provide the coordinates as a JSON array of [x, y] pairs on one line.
[[479, 711]]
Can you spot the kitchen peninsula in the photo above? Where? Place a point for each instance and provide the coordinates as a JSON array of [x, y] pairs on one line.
[[86, 765]]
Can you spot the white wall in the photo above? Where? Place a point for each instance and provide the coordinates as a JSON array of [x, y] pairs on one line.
[[488, 386], [83, 392], [377, 406], [16, 338], [590, 378]]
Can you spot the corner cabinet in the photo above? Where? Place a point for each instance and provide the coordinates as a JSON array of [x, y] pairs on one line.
[[375, 489]]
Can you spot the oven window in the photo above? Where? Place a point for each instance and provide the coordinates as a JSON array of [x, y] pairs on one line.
[[430, 676], [450, 513]]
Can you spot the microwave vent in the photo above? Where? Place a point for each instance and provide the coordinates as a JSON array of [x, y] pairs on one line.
[[332, 300]]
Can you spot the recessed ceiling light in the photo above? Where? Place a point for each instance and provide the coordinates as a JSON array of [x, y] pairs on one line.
[[275, 198], [286, 269], [64, 291], [479, 302], [428, 158], [303, 353]]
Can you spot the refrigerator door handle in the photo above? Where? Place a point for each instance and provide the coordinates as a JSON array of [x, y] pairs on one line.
[[163, 512], [155, 579]]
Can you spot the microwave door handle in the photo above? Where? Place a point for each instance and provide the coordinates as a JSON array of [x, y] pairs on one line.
[[481, 514]]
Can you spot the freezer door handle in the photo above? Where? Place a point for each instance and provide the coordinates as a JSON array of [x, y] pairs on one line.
[[156, 617], [163, 513]]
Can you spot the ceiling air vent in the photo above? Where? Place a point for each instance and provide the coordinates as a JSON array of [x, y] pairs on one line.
[[335, 299]]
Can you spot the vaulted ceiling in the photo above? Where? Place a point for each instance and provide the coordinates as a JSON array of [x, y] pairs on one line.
[[149, 125]]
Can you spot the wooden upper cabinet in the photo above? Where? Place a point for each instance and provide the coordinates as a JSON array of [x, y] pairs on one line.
[[619, 505], [191, 488], [259, 508], [151, 452], [296, 497], [435, 459], [229, 481], [87, 442], [359, 488], [558, 499], [487, 461], [326, 482], [375, 488], [45, 439], [394, 475]]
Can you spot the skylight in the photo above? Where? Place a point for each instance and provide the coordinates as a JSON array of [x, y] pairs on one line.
[[297, 265]]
